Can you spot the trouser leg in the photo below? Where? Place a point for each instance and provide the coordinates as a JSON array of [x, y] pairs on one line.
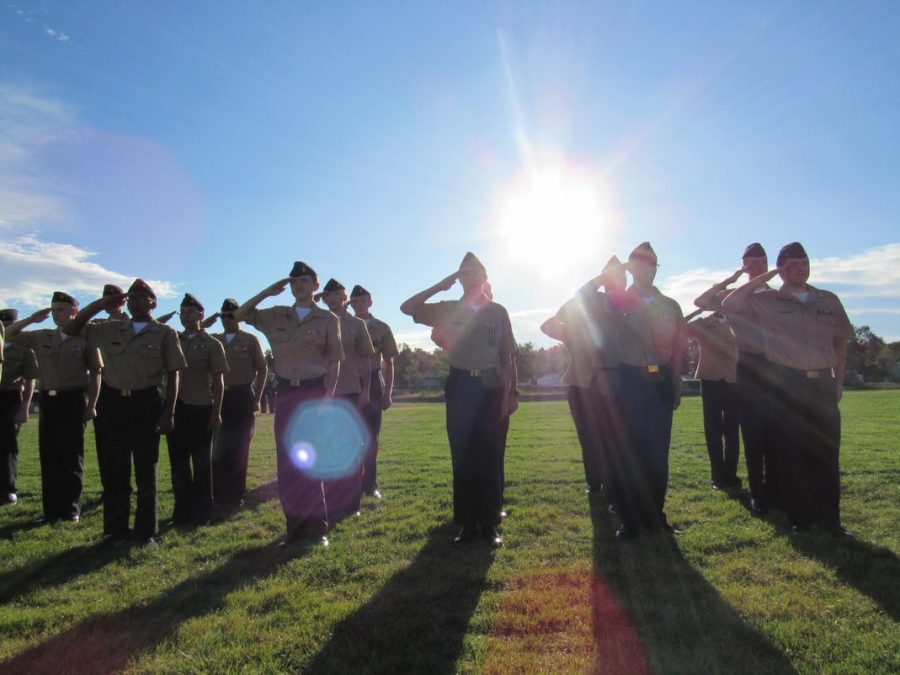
[[10, 403], [713, 428], [584, 409]]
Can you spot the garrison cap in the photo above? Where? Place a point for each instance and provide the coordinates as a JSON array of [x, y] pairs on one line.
[[9, 315], [229, 305], [611, 263], [470, 260], [793, 250], [358, 291], [141, 287], [59, 296], [644, 252], [112, 289], [301, 269], [754, 250], [190, 300], [333, 285]]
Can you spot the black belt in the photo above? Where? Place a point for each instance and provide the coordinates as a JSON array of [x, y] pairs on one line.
[[63, 392], [809, 374], [237, 387], [294, 384], [474, 372], [127, 393]]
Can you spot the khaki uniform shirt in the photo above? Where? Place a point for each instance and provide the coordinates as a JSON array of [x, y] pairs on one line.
[[476, 339], [19, 364], [303, 349], [64, 364], [718, 348], [382, 340], [135, 360], [652, 334], [205, 357], [745, 326], [801, 334], [245, 358], [592, 327], [357, 350]]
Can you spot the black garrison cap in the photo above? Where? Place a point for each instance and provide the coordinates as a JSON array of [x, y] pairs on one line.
[[59, 296], [141, 287], [191, 301], [358, 291], [793, 250], [112, 289], [333, 285], [301, 269], [644, 252], [229, 305], [471, 260], [9, 315], [754, 250]]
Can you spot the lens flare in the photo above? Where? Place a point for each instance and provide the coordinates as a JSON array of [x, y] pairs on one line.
[[327, 439]]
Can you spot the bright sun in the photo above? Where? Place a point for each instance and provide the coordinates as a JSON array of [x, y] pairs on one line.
[[555, 216]]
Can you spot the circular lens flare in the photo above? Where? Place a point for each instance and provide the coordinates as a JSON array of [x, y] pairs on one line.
[[328, 439]]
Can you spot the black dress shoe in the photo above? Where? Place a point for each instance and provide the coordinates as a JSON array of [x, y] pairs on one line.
[[758, 508], [465, 535], [613, 510], [624, 533], [492, 537]]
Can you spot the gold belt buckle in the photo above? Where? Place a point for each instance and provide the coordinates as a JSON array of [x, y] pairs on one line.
[[653, 369], [52, 392], [296, 383], [125, 392], [812, 374], [475, 373]]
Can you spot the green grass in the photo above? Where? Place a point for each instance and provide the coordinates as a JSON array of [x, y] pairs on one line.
[[733, 593]]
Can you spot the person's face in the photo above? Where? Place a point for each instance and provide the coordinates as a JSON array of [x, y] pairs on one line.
[[62, 312], [756, 266], [642, 271], [190, 316], [361, 304], [795, 271], [229, 323], [336, 300], [304, 287], [472, 277], [140, 304]]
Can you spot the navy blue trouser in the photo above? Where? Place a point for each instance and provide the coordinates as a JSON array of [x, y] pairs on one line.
[[10, 403], [721, 411], [231, 445], [753, 387], [372, 414], [190, 456], [61, 449]]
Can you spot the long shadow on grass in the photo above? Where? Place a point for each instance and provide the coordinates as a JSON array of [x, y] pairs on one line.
[[106, 643], [418, 620], [59, 569], [653, 612], [870, 569]]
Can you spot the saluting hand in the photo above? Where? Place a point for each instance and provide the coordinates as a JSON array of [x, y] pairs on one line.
[[278, 287], [108, 302], [165, 317], [447, 282], [210, 320], [734, 277], [40, 315]]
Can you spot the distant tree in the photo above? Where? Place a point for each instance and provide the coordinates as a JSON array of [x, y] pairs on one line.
[[863, 354]]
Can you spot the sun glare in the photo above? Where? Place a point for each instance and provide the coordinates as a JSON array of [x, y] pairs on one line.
[[554, 217]]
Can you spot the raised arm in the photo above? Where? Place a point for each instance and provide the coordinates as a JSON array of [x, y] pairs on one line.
[[555, 328], [243, 312], [413, 304], [77, 323], [706, 298], [738, 297], [17, 326]]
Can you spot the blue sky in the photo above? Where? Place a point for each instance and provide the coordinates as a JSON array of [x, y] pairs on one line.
[[206, 146]]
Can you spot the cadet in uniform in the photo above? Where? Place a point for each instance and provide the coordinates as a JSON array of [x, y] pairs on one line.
[[717, 372], [138, 354], [653, 343], [306, 344], [20, 369], [245, 384], [381, 382], [479, 338], [342, 495], [805, 332], [588, 326], [115, 313], [197, 414], [70, 370], [753, 384]]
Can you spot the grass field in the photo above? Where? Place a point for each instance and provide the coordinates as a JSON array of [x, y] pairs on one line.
[[733, 593]]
